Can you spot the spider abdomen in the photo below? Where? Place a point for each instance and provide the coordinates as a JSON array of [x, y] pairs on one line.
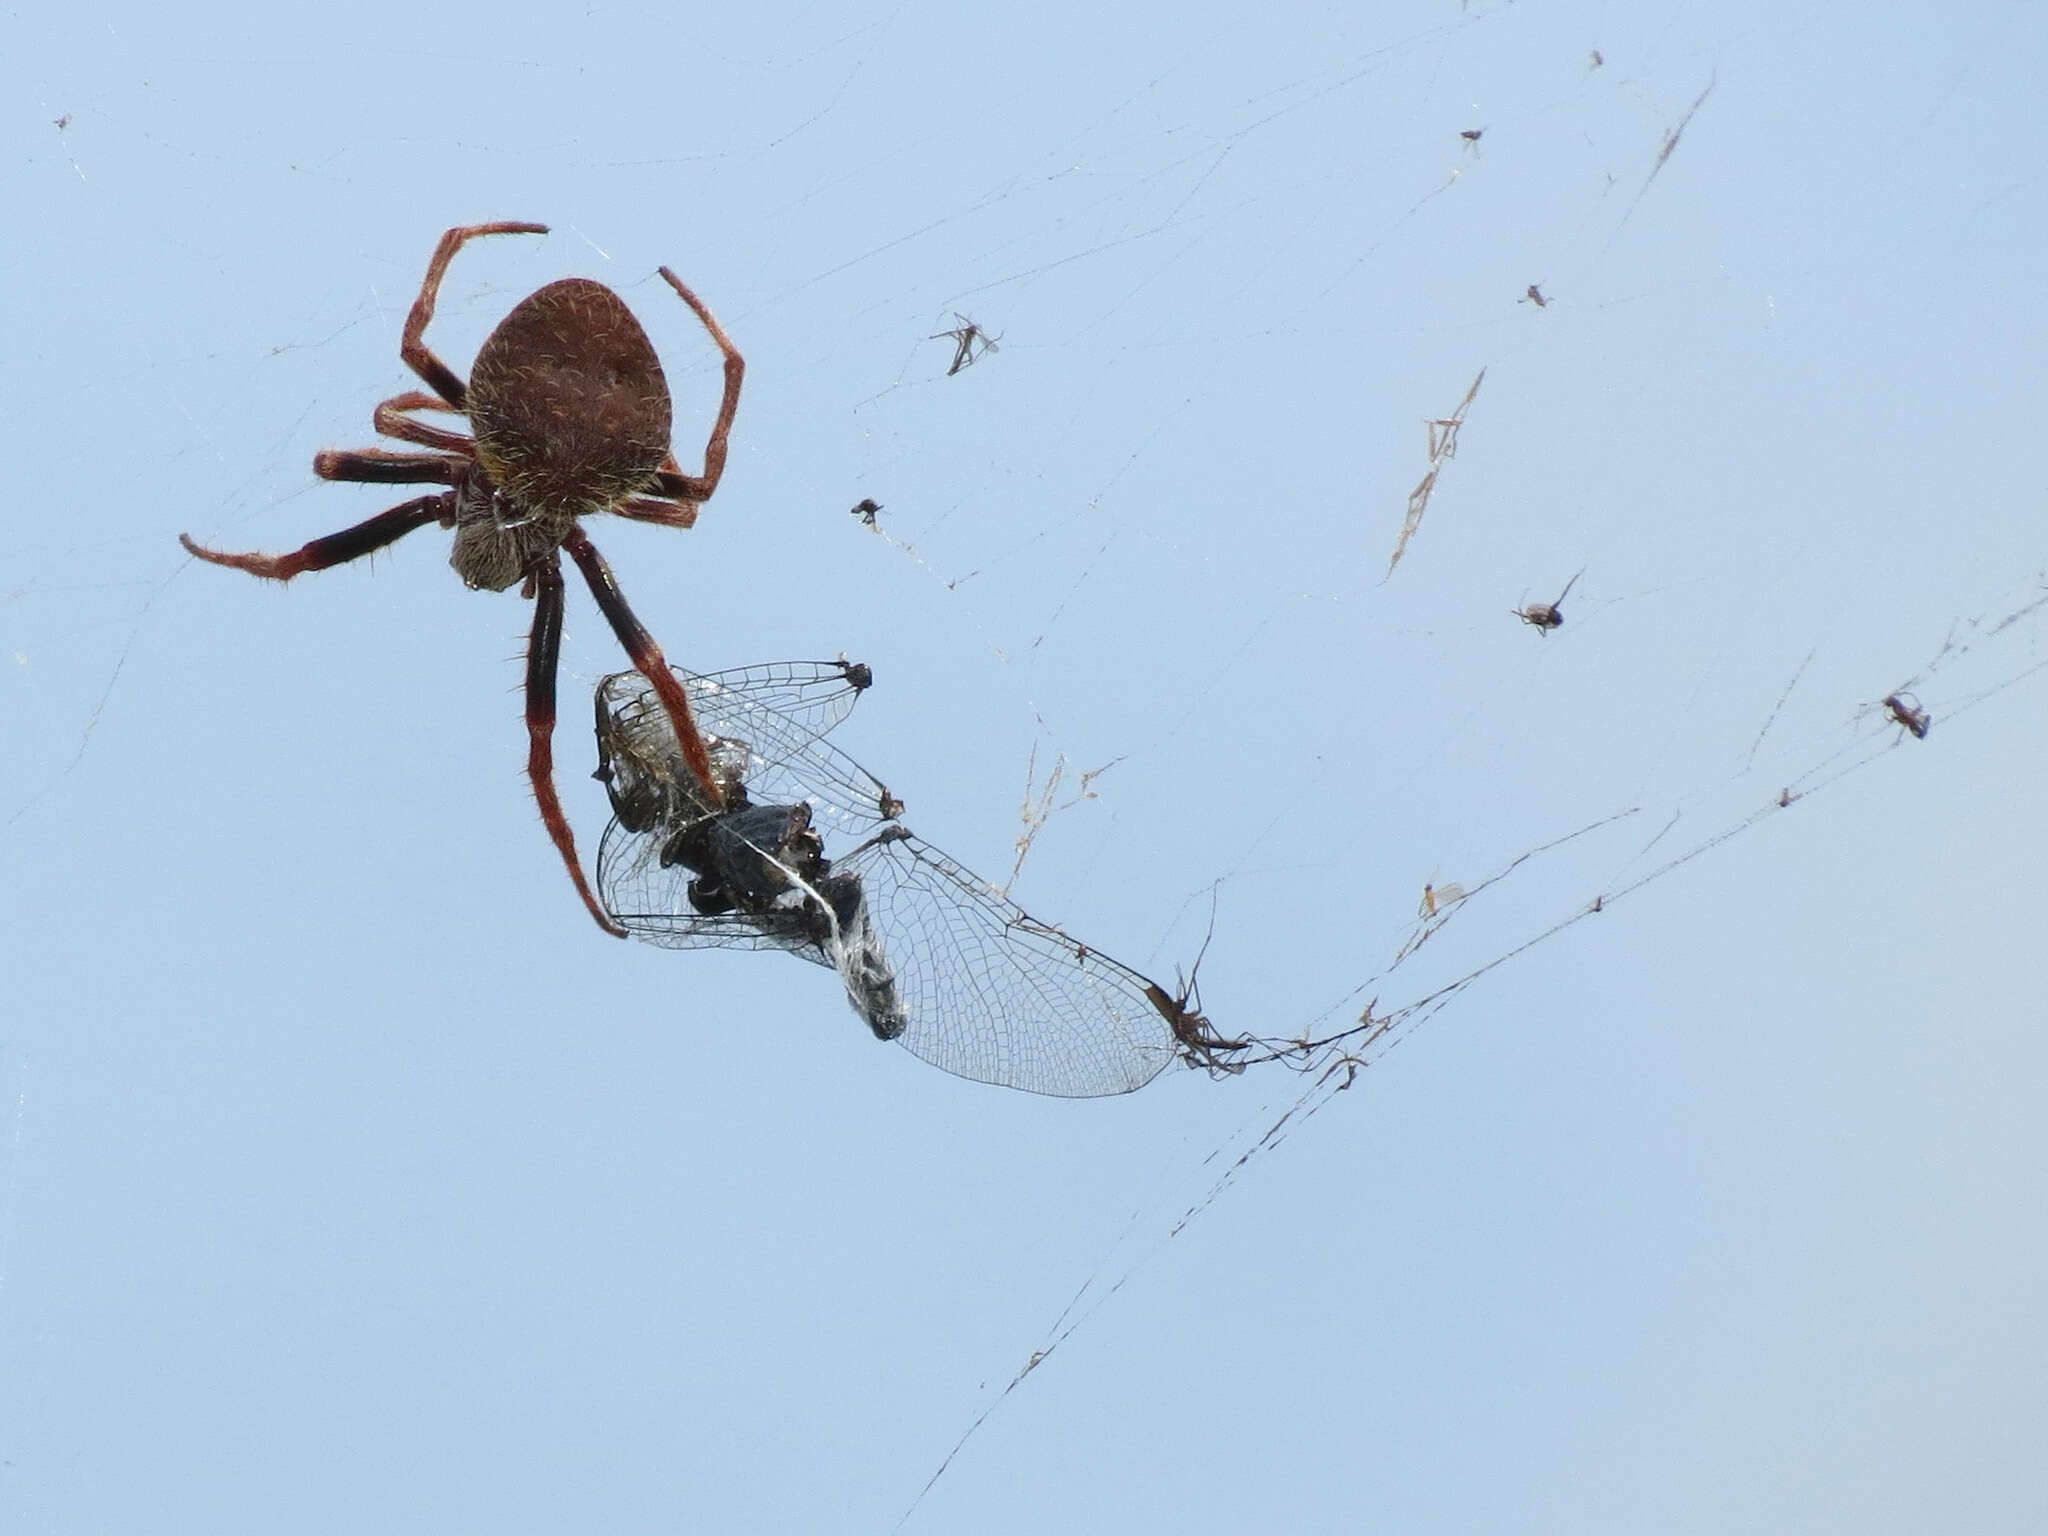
[[568, 402]]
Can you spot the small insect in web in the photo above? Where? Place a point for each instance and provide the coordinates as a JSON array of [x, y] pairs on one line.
[[570, 417], [1905, 711], [865, 509], [1547, 616], [1437, 899], [1437, 905], [806, 853], [1191, 1027], [970, 343], [1534, 295]]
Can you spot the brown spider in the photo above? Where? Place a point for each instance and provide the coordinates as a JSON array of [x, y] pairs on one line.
[[570, 416]]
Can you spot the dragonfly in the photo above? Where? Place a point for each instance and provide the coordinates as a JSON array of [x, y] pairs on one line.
[[809, 855]]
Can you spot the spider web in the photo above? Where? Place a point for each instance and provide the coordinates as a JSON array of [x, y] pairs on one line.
[[1706, 1144]]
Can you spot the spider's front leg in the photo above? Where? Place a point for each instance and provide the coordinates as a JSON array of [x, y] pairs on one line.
[[647, 659], [543, 653], [672, 484], [412, 346], [337, 548]]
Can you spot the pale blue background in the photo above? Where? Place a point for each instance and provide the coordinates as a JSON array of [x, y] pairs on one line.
[[350, 1180]]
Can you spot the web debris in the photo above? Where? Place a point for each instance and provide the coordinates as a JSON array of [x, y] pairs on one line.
[[1038, 807], [1665, 148], [1333, 1061], [1443, 447]]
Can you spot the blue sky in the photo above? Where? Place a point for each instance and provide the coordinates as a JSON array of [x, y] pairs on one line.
[[351, 1179]]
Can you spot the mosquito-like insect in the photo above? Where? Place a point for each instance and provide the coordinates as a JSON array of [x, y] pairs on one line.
[[809, 855], [970, 343]]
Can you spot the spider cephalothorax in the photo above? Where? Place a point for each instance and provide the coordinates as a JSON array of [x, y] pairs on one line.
[[569, 416]]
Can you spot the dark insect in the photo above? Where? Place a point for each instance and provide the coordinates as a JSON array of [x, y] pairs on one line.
[[1471, 135], [808, 855], [865, 509], [1547, 616], [970, 343], [570, 414], [1905, 710], [1535, 296]]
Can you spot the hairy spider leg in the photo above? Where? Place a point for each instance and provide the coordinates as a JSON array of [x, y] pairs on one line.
[[412, 347], [647, 658], [653, 508], [669, 514], [376, 466], [391, 419], [336, 548], [543, 652], [674, 498], [674, 484]]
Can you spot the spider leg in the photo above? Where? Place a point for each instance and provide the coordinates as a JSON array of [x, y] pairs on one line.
[[336, 548], [543, 651], [440, 378], [683, 487], [647, 657], [378, 467], [657, 506], [392, 420], [651, 509]]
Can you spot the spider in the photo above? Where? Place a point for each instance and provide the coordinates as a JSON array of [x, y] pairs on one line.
[[569, 413]]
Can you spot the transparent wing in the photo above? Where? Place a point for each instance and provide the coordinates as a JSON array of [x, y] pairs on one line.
[[930, 954], [752, 719], [986, 991], [762, 725]]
